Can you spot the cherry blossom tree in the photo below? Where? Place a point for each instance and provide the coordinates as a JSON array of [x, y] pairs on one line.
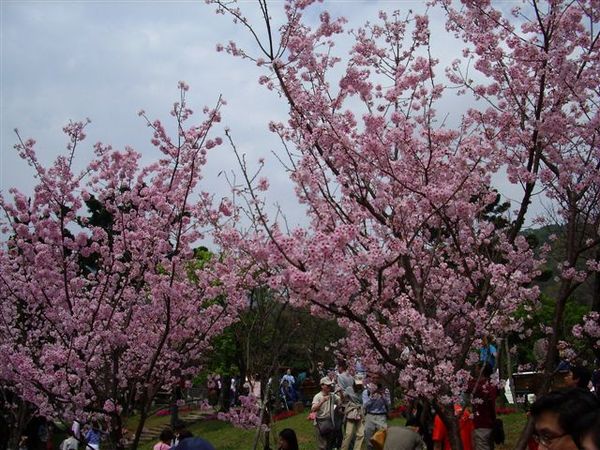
[[401, 247], [541, 70], [103, 303]]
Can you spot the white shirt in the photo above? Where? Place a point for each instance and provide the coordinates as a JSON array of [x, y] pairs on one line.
[[70, 443]]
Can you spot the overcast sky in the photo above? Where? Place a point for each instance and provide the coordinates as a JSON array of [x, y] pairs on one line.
[[106, 60]]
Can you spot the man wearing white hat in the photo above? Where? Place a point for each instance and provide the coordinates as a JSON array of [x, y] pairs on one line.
[[324, 405]]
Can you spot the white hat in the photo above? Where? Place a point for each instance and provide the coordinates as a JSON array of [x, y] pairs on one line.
[[326, 380]]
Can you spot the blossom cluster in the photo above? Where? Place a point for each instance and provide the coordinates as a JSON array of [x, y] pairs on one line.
[[103, 298]]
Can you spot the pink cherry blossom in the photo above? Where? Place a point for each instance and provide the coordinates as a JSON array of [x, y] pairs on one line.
[[103, 301], [400, 246]]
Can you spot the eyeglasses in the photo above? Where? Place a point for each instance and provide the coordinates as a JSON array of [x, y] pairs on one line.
[[546, 440]]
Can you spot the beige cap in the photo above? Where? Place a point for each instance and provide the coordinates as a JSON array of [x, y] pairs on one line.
[[326, 380]]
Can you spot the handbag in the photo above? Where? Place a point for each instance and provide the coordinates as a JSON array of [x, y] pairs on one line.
[[498, 432], [378, 439], [325, 426], [353, 413]]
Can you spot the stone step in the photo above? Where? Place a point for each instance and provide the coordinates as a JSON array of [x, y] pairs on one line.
[[152, 432]]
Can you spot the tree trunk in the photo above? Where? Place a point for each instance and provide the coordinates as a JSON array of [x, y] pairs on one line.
[[452, 425], [116, 432], [226, 393], [550, 362], [596, 300], [140, 427], [15, 430], [565, 291], [174, 408], [509, 372]]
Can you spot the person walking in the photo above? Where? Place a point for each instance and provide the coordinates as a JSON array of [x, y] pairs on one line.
[[233, 392], [354, 423], [323, 405], [287, 376], [484, 410], [376, 403]]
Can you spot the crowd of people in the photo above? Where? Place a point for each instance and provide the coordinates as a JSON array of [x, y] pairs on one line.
[[88, 436], [351, 411], [351, 408]]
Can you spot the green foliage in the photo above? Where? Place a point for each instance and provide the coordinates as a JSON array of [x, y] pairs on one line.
[[576, 307], [201, 256], [270, 336], [543, 316]]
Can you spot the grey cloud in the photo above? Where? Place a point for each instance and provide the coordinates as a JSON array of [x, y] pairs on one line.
[[106, 61]]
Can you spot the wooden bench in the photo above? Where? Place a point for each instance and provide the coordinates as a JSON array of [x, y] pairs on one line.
[[530, 382]]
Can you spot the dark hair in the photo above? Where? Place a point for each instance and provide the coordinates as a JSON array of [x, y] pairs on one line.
[[342, 364], [412, 421], [166, 435], [184, 435], [588, 425], [570, 405], [289, 436], [582, 375]]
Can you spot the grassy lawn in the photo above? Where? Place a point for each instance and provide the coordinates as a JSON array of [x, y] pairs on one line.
[[224, 437], [131, 422], [513, 425]]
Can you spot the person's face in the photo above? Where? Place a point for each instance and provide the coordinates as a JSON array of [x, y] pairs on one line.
[[289, 371], [587, 443], [550, 435], [570, 380], [283, 444], [326, 388]]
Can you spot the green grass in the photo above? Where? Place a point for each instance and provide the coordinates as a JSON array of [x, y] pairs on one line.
[[225, 437], [131, 422], [513, 425]]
